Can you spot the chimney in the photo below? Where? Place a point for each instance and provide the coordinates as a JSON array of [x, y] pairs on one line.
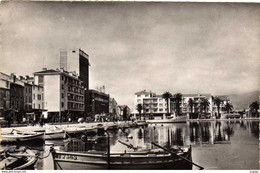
[[44, 69]]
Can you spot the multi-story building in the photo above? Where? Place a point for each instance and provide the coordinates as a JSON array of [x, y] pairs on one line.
[[17, 99], [99, 102], [27, 94], [224, 100], [77, 61], [152, 104], [63, 94], [124, 112], [4, 95], [196, 108], [113, 107]]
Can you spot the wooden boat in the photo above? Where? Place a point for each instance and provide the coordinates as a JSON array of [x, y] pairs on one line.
[[178, 119], [18, 160], [75, 129], [18, 136], [93, 160], [53, 133]]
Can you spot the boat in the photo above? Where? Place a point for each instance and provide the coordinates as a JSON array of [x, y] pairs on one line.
[[141, 123], [53, 133], [75, 129], [18, 159], [18, 136], [93, 160], [177, 119]]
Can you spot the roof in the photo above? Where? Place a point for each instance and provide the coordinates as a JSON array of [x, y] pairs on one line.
[[196, 95], [144, 92], [47, 71]]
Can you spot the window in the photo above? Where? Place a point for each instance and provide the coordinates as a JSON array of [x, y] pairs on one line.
[[160, 104], [39, 96], [34, 96], [7, 84], [147, 95], [62, 104], [39, 106], [34, 106], [62, 86], [40, 79], [62, 95], [42, 105], [42, 96], [30, 99], [138, 95], [62, 78]]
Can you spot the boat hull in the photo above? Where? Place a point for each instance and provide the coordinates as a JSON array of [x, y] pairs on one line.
[[68, 161], [55, 135], [172, 120], [21, 138]]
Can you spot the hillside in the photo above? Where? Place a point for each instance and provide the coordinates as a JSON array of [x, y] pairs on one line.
[[241, 101]]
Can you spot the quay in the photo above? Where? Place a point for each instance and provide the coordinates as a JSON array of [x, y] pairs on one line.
[[89, 125]]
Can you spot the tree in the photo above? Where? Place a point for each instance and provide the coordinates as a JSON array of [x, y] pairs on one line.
[[177, 100], [191, 104], [217, 102], [229, 107], [166, 96], [204, 104], [139, 108], [254, 107]]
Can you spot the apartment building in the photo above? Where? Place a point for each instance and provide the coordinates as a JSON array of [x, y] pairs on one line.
[[63, 93]]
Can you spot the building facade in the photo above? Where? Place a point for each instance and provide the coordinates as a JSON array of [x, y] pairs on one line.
[[4, 95], [113, 107], [99, 102], [63, 94], [154, 106], [77, 61]]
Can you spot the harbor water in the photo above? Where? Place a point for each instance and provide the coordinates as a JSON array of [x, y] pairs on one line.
[[225, 145]]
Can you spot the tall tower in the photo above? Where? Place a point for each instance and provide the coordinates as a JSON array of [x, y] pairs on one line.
[[76, 60]]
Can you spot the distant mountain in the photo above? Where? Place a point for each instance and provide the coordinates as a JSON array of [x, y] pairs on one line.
[[241, 101]]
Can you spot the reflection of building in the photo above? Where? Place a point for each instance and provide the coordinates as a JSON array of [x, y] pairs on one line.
[[152, 104], [63, 93], [99, 102]]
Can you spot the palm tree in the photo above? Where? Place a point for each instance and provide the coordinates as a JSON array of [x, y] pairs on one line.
[[229, 107], [177, 101], [204, 104], [166, 96], [191, 104], [217, 102], [139, 108], [254, 107]]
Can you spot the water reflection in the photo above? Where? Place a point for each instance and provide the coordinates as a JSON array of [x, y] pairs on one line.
[[167, 135]]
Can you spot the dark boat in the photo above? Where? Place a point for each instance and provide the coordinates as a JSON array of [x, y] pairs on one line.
[[92, 160], [18, 159]]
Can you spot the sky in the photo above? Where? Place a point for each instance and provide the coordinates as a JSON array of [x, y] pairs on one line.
[[176, 47]]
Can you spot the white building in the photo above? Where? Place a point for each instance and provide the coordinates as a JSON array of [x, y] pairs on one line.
[[63, 92], [152, 104]]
